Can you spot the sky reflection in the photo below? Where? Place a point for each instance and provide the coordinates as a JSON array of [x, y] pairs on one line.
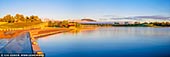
[[112, 41]]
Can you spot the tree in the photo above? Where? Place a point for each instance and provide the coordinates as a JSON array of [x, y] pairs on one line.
[[35, 18], [22, 18], [1, 20], [19, 18], [8, 18], [64, 23]]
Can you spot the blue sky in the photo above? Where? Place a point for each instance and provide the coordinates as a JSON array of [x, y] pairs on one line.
[[68, 9]]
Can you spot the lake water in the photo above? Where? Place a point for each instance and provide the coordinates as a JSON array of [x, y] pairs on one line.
[[109, 42]]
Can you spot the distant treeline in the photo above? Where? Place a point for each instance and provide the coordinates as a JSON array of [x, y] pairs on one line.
[[20, 18], [63, 23], [145, 24]]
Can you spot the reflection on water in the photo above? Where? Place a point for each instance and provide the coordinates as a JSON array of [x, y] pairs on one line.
[[76, 31], [110, 42]]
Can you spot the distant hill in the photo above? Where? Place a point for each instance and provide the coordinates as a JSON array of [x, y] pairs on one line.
[[91, 20]]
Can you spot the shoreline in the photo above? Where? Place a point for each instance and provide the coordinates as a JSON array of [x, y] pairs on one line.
[[33, 35], [43, 32], [38, 33], [47, 31]]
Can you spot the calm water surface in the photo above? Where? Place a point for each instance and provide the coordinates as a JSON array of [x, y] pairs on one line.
[[109, 42]]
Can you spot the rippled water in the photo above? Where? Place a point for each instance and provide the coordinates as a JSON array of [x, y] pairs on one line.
[[109, 42]]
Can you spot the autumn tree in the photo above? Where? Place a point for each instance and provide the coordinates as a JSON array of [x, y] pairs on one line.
[[8, 18], [64, 23], [20, 18], [34, 18]]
